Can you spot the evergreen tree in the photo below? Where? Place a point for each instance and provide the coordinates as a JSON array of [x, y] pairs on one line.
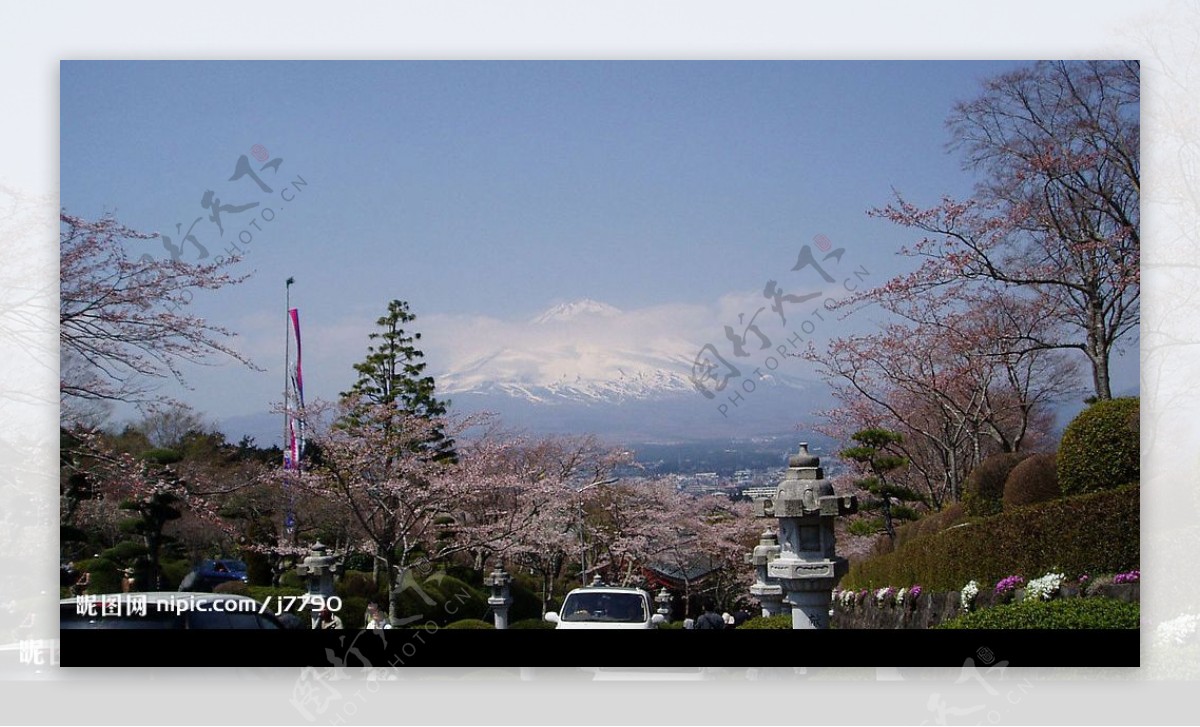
[[875, 463], [393, 374]]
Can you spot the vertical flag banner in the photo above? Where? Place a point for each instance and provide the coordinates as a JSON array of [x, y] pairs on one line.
[[296, 433]]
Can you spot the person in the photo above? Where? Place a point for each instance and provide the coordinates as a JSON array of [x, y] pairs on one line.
[[689, 623], [379, 620], [127, 581], [369, 616], [81, 585], [327, 619], [740, 617], [710, 619], [727, 617]]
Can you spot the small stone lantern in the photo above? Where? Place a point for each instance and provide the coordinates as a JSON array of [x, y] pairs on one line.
[[663, 599], [501, 599], [807, 568], [318, 570], [766, 590]]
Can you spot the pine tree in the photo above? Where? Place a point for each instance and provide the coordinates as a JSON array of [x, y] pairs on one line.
[[875, 462], [393, 374]]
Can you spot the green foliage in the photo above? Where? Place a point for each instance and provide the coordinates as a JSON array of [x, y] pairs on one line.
[[360, 562], [526, 605], [875, 462], [983, 492], [172, 572], [865, 526], [1100, 448], [1034, 480], [394, 373], [126, 553], [671, 625], [1095, 533], [773, 623], [930, 523], [105, 575], [1065, 613], [258, 568], [452, 599], [469, 623], [291, 579], [359, 584], [531, 623]]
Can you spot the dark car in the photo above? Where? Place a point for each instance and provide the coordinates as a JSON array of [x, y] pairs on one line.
[[212, 573], [165, 610]]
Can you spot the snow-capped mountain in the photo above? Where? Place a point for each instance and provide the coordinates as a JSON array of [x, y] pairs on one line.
[[588, 366], [576, 309]]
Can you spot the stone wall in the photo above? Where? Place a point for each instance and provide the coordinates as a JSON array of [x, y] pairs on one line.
[[932, 609]]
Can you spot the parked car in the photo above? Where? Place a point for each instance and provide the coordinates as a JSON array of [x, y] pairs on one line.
[[166, 610], [606, 607], [212, 573]]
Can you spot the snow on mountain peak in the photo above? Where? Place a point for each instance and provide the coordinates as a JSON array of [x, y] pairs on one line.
[[576, 309]]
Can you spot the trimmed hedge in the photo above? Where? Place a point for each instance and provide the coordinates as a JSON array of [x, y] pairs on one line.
[[1034, 480], [983, 492], [1100, 448], [531, 623], [772, 623], [1067, 613], [1095, 533], [931, 523]]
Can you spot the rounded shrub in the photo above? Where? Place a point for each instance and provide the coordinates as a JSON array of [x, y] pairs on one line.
[[1034, 480], [983, 492], [104, 575], [1066, 613], [469, 623], [1100, 448], [772, 623]]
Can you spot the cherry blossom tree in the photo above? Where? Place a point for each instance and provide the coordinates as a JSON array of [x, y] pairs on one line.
[[549, 479], [122, 317], [949, 384], [1054, 222]]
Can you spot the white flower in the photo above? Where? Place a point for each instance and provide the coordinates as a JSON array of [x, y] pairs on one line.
[[1044, 587], [900, 594], [969, 592]]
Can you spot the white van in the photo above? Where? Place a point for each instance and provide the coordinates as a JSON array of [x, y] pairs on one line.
[[606, 607]]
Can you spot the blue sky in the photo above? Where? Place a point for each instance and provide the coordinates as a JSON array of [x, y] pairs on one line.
[[497, 190]]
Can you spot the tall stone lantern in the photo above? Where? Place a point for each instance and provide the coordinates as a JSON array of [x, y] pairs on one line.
[[663, 599], [807, 568], [318, 570], [501, 598]]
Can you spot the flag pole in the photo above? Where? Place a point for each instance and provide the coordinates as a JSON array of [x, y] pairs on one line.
[[287, 362]]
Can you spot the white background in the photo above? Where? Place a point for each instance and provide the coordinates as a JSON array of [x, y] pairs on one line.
[[34, 37]]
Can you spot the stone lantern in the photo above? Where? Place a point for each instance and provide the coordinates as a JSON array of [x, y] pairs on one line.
[[501, 599], [663, 599], [318, 570], [766, 590], [807, 568]]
